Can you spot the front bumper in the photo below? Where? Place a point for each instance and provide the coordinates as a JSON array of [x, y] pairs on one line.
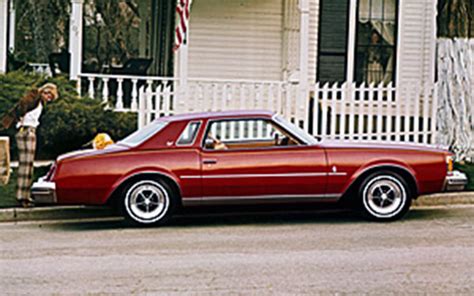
[[455, 181], [44, 192]]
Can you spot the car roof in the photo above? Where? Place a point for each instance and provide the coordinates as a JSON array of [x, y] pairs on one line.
[[218, 115]]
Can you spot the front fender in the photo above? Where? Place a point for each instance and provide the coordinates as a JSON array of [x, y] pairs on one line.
[[380, 165]]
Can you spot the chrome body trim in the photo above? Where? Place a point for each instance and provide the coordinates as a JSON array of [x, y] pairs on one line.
[[455, 181], [44, 191], [226, 176], [337, 174], [222, 200]]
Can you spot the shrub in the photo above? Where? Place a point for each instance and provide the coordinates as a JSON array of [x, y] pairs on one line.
[[66, 124]]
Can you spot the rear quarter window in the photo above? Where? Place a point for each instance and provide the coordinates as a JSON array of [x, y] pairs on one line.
[[188, 136]]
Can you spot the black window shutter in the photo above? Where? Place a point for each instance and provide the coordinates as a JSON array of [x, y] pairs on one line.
[[333, 35]]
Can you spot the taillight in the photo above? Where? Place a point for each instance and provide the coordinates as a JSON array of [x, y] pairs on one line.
[[449, 163], [50, 174]]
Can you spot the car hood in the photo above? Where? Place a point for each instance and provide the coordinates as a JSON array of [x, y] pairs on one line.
[[93, 152], [386, 145]]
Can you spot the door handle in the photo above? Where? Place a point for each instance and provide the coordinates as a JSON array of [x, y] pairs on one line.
[[209, 161]]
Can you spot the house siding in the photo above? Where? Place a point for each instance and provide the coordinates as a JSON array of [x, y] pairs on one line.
[[236, 39], [313, 38], [259, 40]]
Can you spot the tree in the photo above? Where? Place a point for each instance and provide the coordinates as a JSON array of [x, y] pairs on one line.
[[111, 31], [454, 18], [41, 28], [455, 78]]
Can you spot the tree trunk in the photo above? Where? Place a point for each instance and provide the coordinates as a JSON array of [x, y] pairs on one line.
[[454, 18]]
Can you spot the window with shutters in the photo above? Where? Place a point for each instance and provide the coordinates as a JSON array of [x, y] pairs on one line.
[[375, 41]]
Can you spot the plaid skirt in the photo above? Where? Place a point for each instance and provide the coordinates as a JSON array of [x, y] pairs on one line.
[[26, 143]]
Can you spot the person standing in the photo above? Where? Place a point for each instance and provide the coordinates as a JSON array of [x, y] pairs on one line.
[[26, 114]]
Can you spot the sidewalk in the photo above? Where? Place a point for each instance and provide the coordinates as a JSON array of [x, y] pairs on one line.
[[88, 212]]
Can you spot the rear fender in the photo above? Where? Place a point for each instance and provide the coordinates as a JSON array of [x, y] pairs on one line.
[[159, 172]]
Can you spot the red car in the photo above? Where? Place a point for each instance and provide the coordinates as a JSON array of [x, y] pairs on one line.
[[243, 157]]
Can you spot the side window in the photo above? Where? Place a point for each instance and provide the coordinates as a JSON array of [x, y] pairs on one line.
[[189, 134], [245, 134]]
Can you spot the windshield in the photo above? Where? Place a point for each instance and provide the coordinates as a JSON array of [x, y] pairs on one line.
[[144, 133], [296, 131]]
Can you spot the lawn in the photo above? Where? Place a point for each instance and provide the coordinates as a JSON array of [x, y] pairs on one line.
[[467, 168], [7, 192]]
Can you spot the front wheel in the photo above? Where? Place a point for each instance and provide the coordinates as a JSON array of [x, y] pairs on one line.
[[148, 202], [385, 196]]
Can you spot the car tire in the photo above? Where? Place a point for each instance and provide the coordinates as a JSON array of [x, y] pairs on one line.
[[148, 202], [384, 196]]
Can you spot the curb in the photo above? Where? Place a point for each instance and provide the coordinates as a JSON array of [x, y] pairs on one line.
[[91, 212], [54, 213], [444, 199]]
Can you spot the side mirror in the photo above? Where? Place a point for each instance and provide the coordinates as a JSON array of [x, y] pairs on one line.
[[209, 143]]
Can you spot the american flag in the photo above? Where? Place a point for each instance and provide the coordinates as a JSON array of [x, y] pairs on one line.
[[183, 8]]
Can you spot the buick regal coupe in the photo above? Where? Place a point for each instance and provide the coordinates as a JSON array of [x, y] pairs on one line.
[[243, 157]]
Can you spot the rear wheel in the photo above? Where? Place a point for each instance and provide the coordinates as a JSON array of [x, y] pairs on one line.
[[148, 202], [384, 196]]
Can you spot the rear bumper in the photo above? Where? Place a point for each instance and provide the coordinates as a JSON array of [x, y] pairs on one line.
[[455, 181], [44, 192]]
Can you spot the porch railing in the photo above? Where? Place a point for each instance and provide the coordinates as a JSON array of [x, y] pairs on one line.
[[334, 111], [40, 68]]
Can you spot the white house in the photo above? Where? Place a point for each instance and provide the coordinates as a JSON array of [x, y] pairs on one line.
[[351, 69]]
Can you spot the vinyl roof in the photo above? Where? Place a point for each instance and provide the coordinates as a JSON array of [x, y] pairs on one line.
[[219, 114]]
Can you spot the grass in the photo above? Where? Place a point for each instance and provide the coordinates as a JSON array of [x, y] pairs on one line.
[[8, 192], [467, 168]]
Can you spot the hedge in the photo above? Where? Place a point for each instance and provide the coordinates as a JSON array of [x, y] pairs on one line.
[[66, 124]]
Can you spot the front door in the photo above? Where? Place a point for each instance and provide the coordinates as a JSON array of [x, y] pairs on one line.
[[256, 159]]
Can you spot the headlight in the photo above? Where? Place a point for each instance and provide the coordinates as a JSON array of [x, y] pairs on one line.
[[450, 163]]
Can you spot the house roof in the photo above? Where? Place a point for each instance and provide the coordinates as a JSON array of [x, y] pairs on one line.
[[219, 114]]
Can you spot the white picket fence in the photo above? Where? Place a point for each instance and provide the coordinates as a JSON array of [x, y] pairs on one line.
[[348, 111]]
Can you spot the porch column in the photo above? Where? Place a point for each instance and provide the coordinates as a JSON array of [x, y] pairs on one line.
[[351, 42], [11, 33], [3, 35], [143, 44], [183, 63], [75, 39], [304, 55]]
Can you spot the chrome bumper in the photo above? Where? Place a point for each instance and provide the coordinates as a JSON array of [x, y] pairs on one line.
[[455, 181], [44, 192]]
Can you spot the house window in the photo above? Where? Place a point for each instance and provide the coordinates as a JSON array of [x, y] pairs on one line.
[[376, 41]]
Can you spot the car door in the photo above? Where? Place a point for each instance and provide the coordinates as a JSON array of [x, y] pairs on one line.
[[258, 160]]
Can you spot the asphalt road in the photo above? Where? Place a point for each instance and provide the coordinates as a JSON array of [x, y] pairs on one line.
[[431, 251]]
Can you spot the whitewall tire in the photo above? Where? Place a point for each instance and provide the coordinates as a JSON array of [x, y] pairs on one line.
[[148, 202], [384, 196]]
